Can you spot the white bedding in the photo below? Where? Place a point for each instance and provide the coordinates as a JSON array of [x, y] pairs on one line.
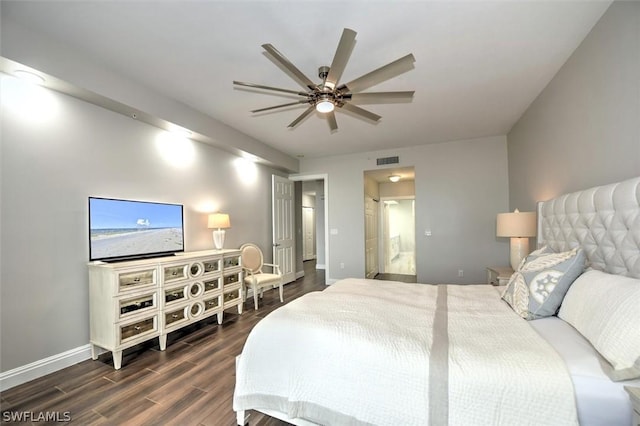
[[599, 400], [358, 353]]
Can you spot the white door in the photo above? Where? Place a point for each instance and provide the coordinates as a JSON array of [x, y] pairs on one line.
[[308, 233], [371, 237], [283, 232]]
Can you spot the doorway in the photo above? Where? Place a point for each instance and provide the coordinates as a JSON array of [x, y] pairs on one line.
[[308, 232], [398, 236], [312, 231], [389, 217]]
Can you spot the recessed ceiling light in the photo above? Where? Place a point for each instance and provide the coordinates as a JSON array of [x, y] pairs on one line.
[[29, 76], [394, 178]]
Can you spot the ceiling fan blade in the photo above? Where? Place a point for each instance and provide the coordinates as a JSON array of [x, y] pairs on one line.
[[361, 112], [331, 118], [280, 106], [302, 116], [380, 97], [289, 66], [277, 89], [379, 75], [343, 52]]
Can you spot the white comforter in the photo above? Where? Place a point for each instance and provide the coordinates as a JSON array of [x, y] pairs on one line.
[[363, 352]]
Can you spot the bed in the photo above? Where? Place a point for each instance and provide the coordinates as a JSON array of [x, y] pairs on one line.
[[377, 352]]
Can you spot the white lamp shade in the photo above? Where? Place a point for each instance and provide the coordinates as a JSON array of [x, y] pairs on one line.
[[516, 224], [219, 221]]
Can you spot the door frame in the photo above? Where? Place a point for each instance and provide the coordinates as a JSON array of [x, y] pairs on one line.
[[325, 180]]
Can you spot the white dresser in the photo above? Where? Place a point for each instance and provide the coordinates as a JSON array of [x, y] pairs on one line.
[[134, 301]]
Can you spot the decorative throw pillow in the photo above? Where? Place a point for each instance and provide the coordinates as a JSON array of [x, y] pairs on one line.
[[605, 309], [536, 290]]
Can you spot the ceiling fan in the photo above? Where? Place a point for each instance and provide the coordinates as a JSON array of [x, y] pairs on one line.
[[328, 95]]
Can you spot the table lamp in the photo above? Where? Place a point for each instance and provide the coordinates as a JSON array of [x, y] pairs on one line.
[[219, 222], [519, 226]]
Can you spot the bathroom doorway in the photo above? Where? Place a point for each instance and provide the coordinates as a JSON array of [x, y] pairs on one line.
[[398, 236], [389, 217]]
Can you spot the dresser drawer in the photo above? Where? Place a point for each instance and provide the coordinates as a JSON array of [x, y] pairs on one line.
[[135, 279], [175, 273], [212, 285], [232, 279], [211, 266], [212, 303], [230, 298], [138, 304], [175, 316], [175, 295], [231, 262], [145, 327]]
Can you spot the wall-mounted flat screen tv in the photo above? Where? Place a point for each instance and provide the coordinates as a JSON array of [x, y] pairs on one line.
[[127, 229]]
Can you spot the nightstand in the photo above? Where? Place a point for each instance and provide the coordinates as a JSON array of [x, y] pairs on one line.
[[498, 275], [634, 395]]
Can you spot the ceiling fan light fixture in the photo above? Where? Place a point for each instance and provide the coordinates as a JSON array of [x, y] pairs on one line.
[[325, 106], [394, 178]]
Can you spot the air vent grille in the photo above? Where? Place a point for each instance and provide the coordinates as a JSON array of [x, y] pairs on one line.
[[388, 160]]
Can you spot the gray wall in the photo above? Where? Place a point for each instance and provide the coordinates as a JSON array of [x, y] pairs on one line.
[[584, 128], [50, 163], [460, 186]]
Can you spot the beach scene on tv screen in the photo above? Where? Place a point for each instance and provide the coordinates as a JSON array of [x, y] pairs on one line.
[[129, 228]]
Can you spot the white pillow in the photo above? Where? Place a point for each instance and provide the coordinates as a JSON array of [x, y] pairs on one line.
[[605, 309]]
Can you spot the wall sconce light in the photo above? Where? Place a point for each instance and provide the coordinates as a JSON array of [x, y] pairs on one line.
[[394, 178], [219, 222]]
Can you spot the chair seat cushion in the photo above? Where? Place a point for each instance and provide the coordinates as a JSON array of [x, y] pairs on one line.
[[261, 279]]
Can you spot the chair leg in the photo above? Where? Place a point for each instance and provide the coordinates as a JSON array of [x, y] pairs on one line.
[[281, 297], [255, 296]]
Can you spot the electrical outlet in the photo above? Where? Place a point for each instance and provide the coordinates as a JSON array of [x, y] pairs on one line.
[[460, 273]]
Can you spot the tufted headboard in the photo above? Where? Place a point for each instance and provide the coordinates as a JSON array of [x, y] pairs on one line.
[[604, 221]]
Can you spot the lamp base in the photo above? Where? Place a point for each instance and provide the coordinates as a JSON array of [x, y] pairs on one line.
[[519, 249], [218, 238]]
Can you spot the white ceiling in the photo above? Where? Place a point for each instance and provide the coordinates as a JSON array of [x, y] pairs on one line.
[[479, 64]]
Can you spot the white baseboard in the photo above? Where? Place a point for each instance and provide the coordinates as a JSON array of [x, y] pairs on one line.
[[40, 368], [320, 266]]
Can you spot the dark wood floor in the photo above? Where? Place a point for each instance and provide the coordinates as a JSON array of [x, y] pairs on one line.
[[397, 277], [190, 383]]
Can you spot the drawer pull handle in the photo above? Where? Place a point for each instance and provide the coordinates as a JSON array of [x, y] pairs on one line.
[[136, 279], [174, 316], [137, 328]]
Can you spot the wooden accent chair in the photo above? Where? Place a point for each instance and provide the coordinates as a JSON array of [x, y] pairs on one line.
[[252, 263]]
